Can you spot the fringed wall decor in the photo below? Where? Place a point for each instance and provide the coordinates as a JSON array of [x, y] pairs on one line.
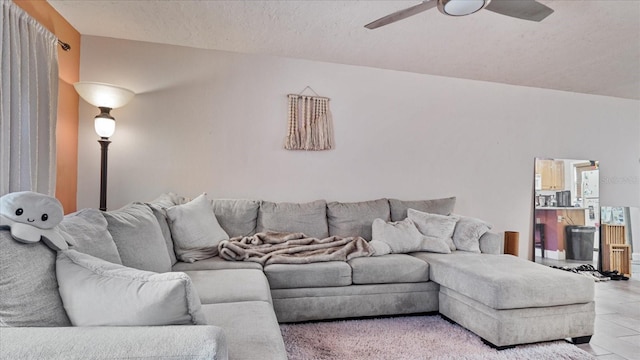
[[310, 123]]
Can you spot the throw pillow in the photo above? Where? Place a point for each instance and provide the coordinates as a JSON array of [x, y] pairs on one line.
[[435, 225], [435, 206], [403, 237], [307, 218], [98, 293], [379, 248], [28, 287], [195, 230], [88, 228], [237, 217], [138, 237], [355, 219], [468, 232]]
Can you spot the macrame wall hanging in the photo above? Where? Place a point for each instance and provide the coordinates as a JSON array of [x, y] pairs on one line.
[[310, 123]]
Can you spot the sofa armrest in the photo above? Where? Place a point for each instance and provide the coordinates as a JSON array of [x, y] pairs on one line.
[[491, 243], [149, 342]]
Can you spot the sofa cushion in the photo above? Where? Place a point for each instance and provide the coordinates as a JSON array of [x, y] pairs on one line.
[[507, 282], [388, 269], [292, 305], [443, 206], [308, 218], [164, 200], [434, 225], [220, 286], [139, 238], [195, 230], [215, 263], [402, 237], [251, 329], [28, 286], [161, 215], [320, 274], [467, 234], [88, 228], [159, 207], [170, 199], [356, 218], [237, 217], [99, 293]]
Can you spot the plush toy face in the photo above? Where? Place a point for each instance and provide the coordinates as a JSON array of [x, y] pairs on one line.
[[33, 217], [41, 211]]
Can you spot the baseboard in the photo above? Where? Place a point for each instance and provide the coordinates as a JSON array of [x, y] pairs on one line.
[[555, 254]]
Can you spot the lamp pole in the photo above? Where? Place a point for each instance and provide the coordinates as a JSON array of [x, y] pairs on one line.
[[104, 146], [106, 97]]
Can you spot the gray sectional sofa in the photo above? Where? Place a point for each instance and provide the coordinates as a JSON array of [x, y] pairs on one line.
[[503, 299]]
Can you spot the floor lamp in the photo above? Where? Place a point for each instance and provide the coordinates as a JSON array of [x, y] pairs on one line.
[[105, 97]]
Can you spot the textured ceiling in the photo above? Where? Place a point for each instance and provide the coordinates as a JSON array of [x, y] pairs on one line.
[[585, 46]]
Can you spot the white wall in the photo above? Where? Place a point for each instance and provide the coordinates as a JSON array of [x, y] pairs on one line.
[[634, 220], [212, 121]]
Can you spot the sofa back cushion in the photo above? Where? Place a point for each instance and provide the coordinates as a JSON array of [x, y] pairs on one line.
[[237, 217], [138, 237], [28, 286], [442, 206], [88, 228], [356, 218], [160, 213], [159, 207], [308, 218], [169, 199]]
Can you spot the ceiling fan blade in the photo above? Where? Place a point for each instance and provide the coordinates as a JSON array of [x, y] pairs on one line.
[[521, 9], [402, 14]]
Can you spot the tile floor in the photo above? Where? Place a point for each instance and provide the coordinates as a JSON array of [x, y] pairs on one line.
[[617, 330]]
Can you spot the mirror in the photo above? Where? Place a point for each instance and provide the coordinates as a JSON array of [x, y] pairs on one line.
[[620, 230], [566, 212]]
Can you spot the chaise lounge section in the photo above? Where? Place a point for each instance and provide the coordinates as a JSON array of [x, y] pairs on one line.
[[507, 301]]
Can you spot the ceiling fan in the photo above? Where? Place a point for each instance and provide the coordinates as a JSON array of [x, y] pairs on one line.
[[521, 9]]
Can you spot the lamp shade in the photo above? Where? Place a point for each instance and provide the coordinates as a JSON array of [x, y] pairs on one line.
[[461, 7], [103, 95]]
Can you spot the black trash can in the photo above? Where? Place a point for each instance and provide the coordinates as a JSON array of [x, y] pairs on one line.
[[579, 242]]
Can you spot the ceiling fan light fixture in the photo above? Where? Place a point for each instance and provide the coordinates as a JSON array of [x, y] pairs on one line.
[[461, 7]]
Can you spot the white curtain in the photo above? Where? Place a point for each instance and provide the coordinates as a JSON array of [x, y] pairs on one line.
[[28, 103]]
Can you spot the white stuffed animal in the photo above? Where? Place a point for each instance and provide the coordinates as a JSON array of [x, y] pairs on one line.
[[33, 217]]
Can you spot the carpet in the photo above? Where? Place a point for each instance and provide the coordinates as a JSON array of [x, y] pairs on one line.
[[407, 338]]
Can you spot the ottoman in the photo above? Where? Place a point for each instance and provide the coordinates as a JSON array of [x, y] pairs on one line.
[[509, 301]]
